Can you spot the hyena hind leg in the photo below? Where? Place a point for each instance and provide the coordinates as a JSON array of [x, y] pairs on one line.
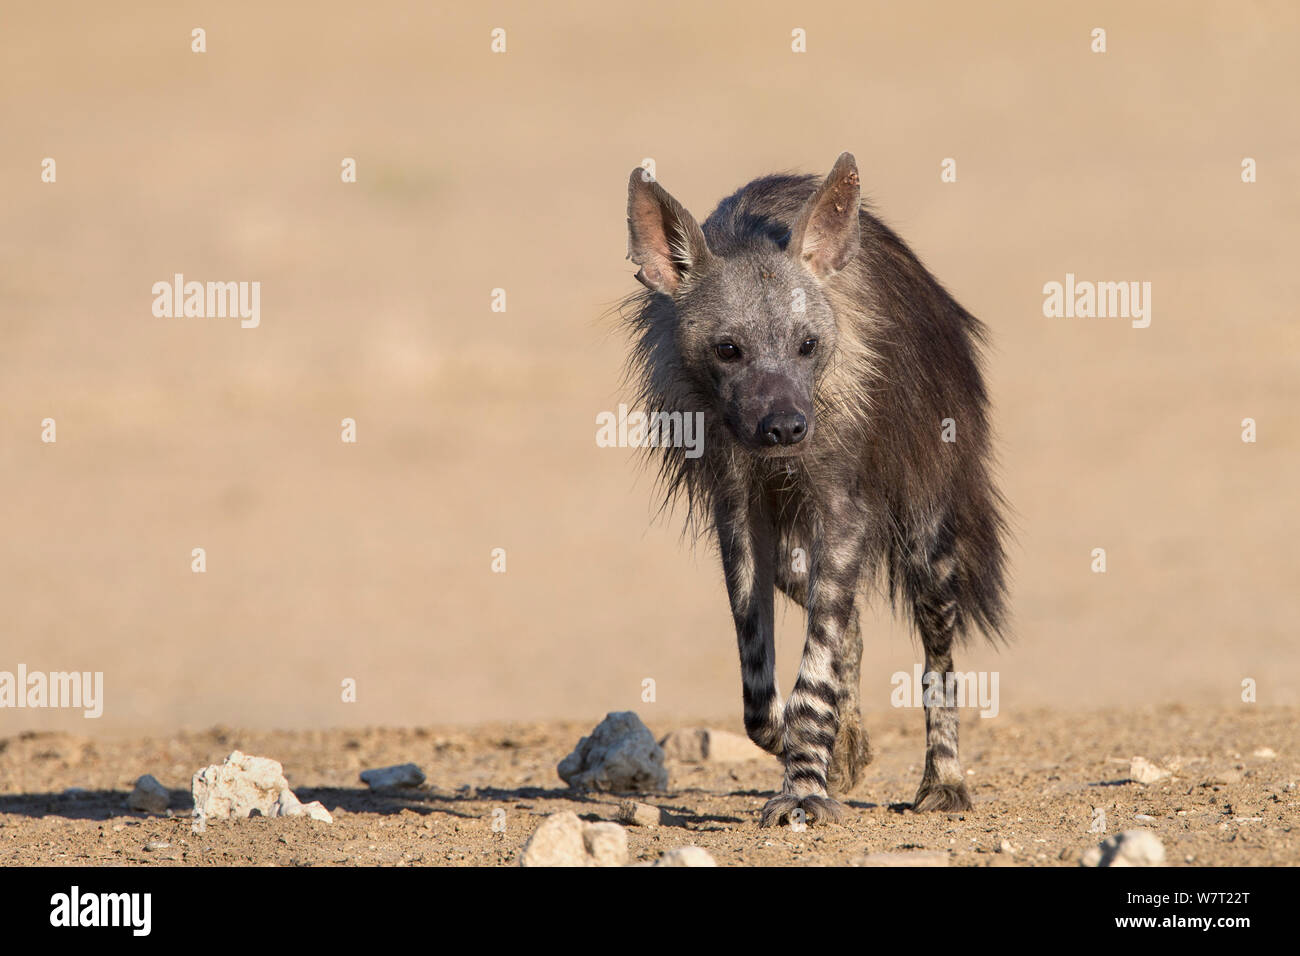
[[943, 784], [936, 605], [852, 749]]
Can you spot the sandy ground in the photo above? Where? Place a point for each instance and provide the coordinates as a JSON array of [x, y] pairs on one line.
[[1038, 780], [330, 562]]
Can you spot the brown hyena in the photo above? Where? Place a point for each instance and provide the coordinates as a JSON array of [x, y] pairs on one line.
[[845, 419]]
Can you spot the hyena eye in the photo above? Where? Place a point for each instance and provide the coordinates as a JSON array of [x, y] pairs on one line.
[[726, 351], [808, 346]]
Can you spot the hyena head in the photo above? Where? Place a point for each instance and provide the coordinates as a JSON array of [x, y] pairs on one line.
[[755, 329]]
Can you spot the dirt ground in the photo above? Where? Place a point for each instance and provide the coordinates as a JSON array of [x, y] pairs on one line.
[[1037, 780], [371, 564]]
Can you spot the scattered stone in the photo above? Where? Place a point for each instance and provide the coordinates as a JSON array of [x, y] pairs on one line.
[[153, 845], [239, 787], [1006, 847], [562, 839], [902, 858], [1130, 848], [705, 745], [1144, 817], [637, 814], [620, 755], [686, 856], [387, 778], [149, 796], [1143, 771]]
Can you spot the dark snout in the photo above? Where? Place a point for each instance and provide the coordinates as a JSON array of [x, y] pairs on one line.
[[771, 412], [783, 428]]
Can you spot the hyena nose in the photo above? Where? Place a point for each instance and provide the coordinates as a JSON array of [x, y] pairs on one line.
[[783, 428]]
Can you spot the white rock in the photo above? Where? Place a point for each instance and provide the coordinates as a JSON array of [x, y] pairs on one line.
[[606, 843], [621, 755], [238, 787], [557, 841], [564, 840], [1265, 753], [402, 775], [1144, 771], [149, 796], [288, 805], [686, 856], [1130, 848], [316, 811]]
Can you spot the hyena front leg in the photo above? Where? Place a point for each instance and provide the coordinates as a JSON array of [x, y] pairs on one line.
[[745, 541], [936, 609], [812, 715], [852, 751]]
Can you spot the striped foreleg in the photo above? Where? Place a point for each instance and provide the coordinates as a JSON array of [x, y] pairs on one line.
[[812, 713]]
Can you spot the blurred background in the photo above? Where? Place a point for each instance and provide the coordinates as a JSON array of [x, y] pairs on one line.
[[477, 171]]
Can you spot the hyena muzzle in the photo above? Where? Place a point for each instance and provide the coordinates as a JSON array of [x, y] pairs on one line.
[[845, 436]]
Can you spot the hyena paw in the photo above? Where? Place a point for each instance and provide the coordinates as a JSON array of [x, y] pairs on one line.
[[850, 757], [811, 809], [944, 797]]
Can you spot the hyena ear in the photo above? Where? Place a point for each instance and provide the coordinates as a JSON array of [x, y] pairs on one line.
[[826, 234], [662, 237]]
